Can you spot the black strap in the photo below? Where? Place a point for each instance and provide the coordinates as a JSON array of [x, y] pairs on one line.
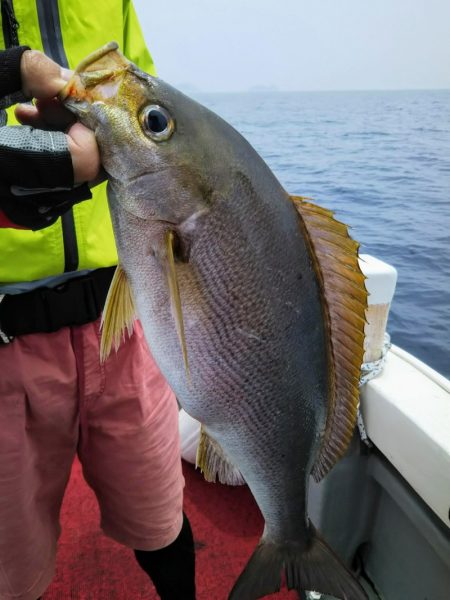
[[43, 310], [10, 24], [52, 41]]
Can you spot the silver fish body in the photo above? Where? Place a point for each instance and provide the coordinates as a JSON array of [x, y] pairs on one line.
[[254, 333], [252, 304]]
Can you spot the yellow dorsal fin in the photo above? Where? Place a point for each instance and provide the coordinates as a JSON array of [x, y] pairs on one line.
[[175, 299], [335, 258], [118, 315]]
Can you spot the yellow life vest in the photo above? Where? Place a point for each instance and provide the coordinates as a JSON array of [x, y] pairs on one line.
[[68, 30]]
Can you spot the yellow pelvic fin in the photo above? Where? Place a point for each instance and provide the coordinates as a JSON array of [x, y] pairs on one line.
[[335, 258], [214, 464], [175, 298], [118, 315]]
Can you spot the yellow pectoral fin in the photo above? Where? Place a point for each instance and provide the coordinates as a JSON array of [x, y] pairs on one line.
[[118, 315], [334, 255], [175, 298]]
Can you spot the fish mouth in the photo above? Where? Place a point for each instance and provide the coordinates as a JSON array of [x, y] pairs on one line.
[[94, 77]]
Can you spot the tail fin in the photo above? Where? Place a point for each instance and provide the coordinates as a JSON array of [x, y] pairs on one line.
[[316, 568]]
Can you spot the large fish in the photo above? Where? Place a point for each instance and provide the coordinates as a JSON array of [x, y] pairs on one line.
[[252, 302]]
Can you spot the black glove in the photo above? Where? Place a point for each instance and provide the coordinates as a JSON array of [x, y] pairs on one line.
[[36, 176], [10, 77]]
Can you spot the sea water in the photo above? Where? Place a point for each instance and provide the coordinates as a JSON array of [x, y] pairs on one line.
[[381, 162]]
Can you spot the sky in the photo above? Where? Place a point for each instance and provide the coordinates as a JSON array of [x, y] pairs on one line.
[[237, 45]]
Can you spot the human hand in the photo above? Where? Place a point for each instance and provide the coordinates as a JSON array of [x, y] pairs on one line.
[[41, 76], [51, 115]]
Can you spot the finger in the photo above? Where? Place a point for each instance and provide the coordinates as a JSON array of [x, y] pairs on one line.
[[41, 76], [66, 74], [82, 136], [55, 113], [27, 114], [46, 114], [84, 152]]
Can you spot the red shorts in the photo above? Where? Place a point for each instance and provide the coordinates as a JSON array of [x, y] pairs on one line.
[[121, 418]]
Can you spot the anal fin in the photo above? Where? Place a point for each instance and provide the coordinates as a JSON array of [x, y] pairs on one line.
[[213, 462]]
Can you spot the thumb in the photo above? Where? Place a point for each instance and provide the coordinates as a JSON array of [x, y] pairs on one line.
[[41, 76]]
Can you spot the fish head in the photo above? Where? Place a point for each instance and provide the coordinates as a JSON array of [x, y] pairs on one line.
[[154, 141]]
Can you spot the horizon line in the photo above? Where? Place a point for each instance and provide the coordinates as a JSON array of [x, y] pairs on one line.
[[269, 90]]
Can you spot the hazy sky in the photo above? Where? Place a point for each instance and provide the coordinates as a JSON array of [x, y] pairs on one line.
[[228, 45]]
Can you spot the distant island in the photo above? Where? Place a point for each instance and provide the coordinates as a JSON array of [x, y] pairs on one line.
[[263, 88]]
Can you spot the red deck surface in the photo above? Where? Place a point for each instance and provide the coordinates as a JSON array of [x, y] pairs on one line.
[[226, 524]]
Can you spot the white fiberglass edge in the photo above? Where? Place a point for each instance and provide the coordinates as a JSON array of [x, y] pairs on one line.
[[381, 279], [423, 368], [406, 412]]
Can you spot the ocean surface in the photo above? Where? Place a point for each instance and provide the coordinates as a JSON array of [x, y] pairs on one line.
[[381, 161]]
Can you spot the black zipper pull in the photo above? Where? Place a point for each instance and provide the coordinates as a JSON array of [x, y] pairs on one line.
[[10, 25]]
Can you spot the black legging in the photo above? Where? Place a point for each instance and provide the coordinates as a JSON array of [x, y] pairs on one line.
[[172, 569]]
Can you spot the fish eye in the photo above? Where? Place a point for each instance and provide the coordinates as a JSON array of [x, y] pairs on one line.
[[156, 123]]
